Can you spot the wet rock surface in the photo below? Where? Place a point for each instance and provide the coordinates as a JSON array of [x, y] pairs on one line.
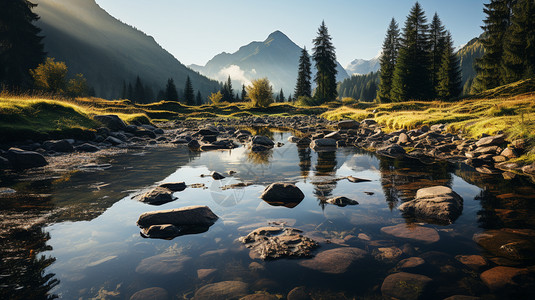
[[222, 291], [335, 261], [277, 242], [406, 286], [413, 232], [282, 193], [513, 244], [341, 201], [437, 204], [157, 196], [154, 293]]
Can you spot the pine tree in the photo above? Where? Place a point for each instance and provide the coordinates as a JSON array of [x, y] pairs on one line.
[[243, 93], [489, 66], [189, 94], [281, 96], [198, 99], [411, 79], [519, 46], [171, 93], [449, 73], [388, 61], [325, 60], [228, 92], [437, 37], [21, 47], [139, 91], [290, 98], [304, 75]]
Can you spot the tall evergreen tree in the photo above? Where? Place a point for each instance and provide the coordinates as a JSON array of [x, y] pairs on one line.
[[243, 93], [228, 92], [21, 47], [388, 61], [171, 93], [189, 94], [198, 99], [519, 46], [325, 60], [489, 66], [281, 96], [437, 38], [290, 98], [139, 91], [449, 73], [411, 79], [304, 75]]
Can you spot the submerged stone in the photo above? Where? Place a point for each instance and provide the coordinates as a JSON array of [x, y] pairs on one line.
[[222, 291], [405, 286], [154, 293], [437, 204], [514, 244], [334, 261], [413, 232], [162, 264]]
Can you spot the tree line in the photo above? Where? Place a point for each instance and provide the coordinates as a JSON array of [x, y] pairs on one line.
[[360, 87]]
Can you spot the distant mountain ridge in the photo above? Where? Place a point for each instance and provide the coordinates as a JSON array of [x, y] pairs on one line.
[[363, 66], [107, 51], [276, 58]]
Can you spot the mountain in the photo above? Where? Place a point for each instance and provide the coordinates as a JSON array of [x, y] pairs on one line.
[[107, 51], [363, 66], [276, 58], [467, 56]]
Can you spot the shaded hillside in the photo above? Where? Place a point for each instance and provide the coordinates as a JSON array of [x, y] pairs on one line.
[[467, 57], [275, 58], [108, 51]]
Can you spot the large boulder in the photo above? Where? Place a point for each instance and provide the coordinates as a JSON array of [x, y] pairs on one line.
[[190, 215], [348, 124], [500, 277], [334, 261], [491, 140], [59, 146], [222, 291], [280, 193], [393, 150], [112, 122], [262, 140], [323, 143], [405, 286], [20, 159], [437, 204]]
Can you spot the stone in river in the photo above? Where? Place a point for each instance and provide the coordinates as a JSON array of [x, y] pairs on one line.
[[475, 262], [154, 293], [222, 291], [204, 273], [157, 196], [174, 186], [437, 204], [162, 264], [341, 201], [20, 159], [277, 242], [299, 293], [356, 179], [334, 261], [514, 244], [413, 232], [405, 286], [190, 215], [282, 193], [166, 231], [260, 296], [262, 140], [388, 253], [216, 175], [501, 277], [410, 263]]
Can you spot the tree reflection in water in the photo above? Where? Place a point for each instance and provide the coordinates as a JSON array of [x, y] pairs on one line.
[[326, 168]]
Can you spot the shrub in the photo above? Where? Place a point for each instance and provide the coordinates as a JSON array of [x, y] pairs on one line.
[[307, 101], [216, 98], [260, 92], [50, 76]]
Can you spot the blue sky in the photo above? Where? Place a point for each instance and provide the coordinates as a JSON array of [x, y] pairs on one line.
[[195, 31]]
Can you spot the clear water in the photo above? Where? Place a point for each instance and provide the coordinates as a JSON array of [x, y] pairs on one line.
[[90, 246]]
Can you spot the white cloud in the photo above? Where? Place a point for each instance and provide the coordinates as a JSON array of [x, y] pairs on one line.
[[235, 73]]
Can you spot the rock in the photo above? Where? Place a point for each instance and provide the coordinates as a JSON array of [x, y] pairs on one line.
[[368, 122], [222, 291], [364, 237], [437, 204], [113, 140], [404, 139], [410, 263], [393, 150], [112, 122], [282, 193], [438, 127], [20, 159], [194, 144], [190, 215], [333, 135], [254, 266], [413, 232], [519, 144], [173, 186], [475, 262], [513, 244], [157, 196], [216, 176], [293, 139], [162, 264], [334, 261], [388, 253], [204, 273], [356, 179], [299, 293], [262, 140], [260, 148], [59, 146], [166, 231], [262, 296], [491, 141], [529, 169], [7, 191], [348, 124], [341, 201], [154, 293], [278, 242], [509, 153], [405, 286], [500, 277], [4, 163], [86, 147], [323, 143]]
